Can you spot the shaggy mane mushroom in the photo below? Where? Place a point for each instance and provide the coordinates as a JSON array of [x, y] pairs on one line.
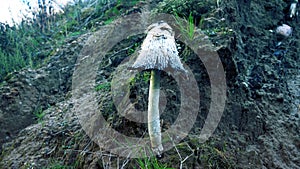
[[158, 53]]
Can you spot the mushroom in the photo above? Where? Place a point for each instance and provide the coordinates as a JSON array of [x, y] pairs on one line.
[[158, 53]]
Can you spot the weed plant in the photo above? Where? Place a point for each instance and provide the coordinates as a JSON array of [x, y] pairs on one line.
[[34, 40]]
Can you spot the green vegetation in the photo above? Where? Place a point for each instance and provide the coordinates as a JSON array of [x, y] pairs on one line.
[[212, 157], [194, 12], [198, 9], [144, 77], [55, 164], [133, 49], [213, 154], [189, 29], [10, 63], [218, 31], [119, 8], [33, 41], [6, 152], [146, 163], [39, 114], [103, 87]]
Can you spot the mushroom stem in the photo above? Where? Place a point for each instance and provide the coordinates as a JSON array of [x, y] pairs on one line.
[[153, 113]]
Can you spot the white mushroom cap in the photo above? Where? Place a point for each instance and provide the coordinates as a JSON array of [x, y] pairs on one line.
[[158, 50]]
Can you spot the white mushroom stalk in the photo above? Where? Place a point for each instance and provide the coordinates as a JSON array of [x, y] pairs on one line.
[[158, 52], [153, 113]]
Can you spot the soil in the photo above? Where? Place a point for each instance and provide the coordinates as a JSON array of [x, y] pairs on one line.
[[260, 126]]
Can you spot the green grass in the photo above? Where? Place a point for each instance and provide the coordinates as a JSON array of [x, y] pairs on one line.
[[151, 163], [55, 164], [108, 21], [75, 33], [39, 114], [32, 42], [187, 29], [103, 87], [191, 26], [10, 63]]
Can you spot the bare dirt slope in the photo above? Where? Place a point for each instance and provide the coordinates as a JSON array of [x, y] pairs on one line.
[[260, 127]]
